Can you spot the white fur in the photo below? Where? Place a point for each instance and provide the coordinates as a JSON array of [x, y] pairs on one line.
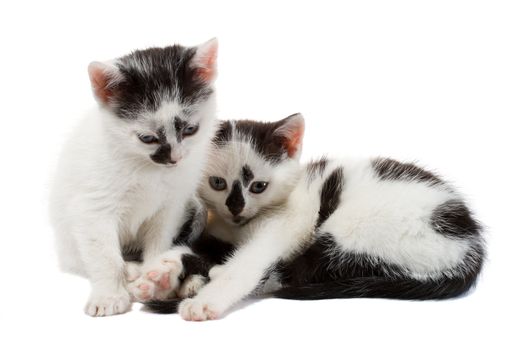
[[387, 220], [160, 275], [108, 193]]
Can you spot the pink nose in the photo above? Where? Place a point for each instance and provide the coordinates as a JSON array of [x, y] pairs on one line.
[[175, 158]]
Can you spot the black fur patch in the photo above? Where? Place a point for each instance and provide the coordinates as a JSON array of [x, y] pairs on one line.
[[132, 253], [235, 201], [247, 175], [223, 134], [213, 249], [390, 169], [322, 262], [315, 169], [454, 219], [323, 271], [271, 147], [330, 195], [179, 127], [186, 231], [195, 265], [154, 74], [163, 154]]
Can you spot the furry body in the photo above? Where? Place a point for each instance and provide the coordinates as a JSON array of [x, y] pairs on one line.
[[129, 170], [330, 228]]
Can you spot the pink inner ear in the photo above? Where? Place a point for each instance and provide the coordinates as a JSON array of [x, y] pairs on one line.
[[206, 60], [294, 141], [100, 81]]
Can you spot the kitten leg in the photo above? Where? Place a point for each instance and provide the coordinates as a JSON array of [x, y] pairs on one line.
[[99, 249], [132, 271], [161, 266], [243, 272], [216, 271], [191, 285], [160, 231]]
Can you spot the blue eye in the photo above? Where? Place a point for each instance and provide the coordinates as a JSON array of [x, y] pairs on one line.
[[190, 130], [258, 187], [217, 183], [148, 138]]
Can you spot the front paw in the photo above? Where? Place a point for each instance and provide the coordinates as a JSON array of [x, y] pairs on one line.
[[191, 285], [215, 271], [195, 310], [159, 280], [107, 304]]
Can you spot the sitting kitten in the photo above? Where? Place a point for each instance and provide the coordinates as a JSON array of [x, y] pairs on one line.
[[329, 229], [130, 168]]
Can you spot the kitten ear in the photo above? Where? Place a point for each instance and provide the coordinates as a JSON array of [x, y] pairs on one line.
[[291, 130], [204, 61], [104, 79]]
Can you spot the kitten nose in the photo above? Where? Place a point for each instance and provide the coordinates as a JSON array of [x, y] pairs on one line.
[[175, 157], [235, 201]]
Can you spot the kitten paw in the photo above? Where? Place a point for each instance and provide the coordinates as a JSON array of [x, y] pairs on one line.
[[191, 286], [159, 279], [132, 271], [108, 304], [215, 271], [194, 310]]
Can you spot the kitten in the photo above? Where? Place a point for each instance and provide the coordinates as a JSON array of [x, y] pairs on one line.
[[328, 229], [130, 168]]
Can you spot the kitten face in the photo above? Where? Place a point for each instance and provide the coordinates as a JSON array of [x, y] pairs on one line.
[[162, 100], [252, 167]]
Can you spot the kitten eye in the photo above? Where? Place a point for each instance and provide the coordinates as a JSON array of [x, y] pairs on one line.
[[190, 130], [148, 138], [258, 186], [217, 183]]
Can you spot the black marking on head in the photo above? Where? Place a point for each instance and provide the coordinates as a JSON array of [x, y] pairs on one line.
[[389, 169], [179, 127], [161, 135], [235, 201], [223, 134], [316, 168], [162, 155], [247, 175], [154, 74], [454, 219], [330, 195], [270, 146]]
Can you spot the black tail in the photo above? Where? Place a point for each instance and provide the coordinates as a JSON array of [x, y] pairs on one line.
[[169, 306], [378, 287]]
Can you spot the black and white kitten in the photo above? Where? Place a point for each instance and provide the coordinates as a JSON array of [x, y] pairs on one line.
[[128, 171], [328, 229]]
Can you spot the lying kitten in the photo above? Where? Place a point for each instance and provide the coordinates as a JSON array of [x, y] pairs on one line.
[[129, 169], [329, 229]]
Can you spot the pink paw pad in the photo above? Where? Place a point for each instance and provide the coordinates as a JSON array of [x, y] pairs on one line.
[[165, 281], [153, 275]]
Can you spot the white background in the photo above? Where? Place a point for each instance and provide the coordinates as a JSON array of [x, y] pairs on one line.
[[442, 82]]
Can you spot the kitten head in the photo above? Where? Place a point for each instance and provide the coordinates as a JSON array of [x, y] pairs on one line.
[[160, 102], [253, 167]]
